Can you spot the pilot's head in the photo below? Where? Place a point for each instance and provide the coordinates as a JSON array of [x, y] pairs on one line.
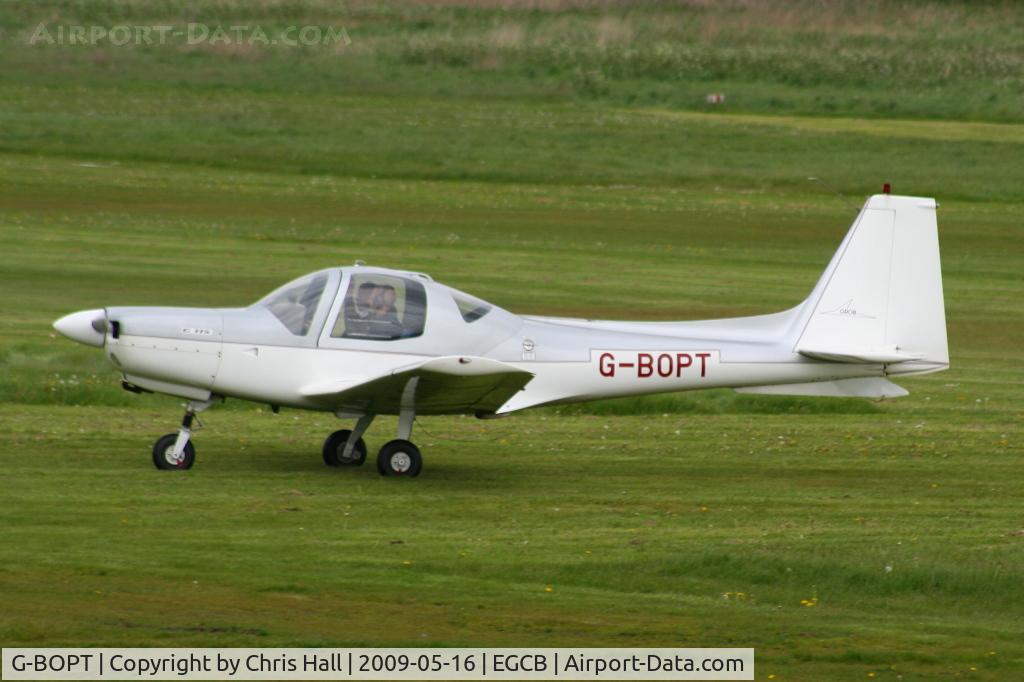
[[384, 299], [364, 297]]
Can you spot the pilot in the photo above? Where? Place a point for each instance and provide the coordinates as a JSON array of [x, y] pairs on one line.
[[384, 315], [384, 303], [359, 312], [364, 300]]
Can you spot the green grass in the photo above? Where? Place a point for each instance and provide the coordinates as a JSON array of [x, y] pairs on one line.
[[195, 177], [874, 58]]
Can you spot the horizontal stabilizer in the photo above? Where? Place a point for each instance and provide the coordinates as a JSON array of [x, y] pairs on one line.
[[869, 387], [882, 356]]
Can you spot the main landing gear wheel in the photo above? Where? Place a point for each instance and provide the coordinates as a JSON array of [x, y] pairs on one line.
[[399, 458], [334, 450], [163, 453]]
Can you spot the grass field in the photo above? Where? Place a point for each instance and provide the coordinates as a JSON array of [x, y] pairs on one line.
[[555, 159]]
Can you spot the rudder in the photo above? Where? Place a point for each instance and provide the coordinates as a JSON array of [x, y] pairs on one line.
[[880, 300]]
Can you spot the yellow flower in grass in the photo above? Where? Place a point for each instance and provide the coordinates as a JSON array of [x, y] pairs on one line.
[[549, 588]]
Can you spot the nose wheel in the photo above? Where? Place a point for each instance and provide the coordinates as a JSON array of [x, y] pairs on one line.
[[399, 458], [164, 456], [175, 450]]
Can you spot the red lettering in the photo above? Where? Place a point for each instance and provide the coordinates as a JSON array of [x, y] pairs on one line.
[[703, 362], [683, 360], [644, 365], [664, 365]]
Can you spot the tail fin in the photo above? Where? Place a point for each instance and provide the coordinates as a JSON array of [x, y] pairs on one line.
[[880, 299]]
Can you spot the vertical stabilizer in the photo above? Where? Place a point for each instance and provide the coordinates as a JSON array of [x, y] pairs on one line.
[[880, 300]]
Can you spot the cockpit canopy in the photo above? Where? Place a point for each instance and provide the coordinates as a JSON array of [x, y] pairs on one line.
[[352, 306]]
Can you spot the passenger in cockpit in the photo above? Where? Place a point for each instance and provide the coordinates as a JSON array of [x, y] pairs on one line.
[[364, 300], [384, 314], [359, 311]]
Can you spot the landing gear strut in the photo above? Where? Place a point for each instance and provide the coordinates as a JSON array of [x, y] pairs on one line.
[[347, 448], [400, 457], [175, 450]]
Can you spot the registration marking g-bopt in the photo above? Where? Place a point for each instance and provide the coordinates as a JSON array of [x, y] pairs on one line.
[[655, 364]]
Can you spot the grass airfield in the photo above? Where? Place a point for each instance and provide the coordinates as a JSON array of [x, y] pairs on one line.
[[841, 539]]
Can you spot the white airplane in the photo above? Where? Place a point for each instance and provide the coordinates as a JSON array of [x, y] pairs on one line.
[[361, 341]]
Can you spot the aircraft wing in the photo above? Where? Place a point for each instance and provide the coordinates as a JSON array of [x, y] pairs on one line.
[[445, 385]]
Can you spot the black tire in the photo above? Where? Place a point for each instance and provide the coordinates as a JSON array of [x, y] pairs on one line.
[[335, 445], [399, 458], [162, 451]]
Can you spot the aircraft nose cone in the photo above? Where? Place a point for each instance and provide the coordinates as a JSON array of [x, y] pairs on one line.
[[85, 326]]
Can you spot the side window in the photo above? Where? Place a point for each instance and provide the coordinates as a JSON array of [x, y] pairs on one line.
[[382, 308], [471, 309], [296, 305]]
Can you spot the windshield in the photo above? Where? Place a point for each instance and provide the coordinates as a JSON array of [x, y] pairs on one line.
[[295, 303]]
